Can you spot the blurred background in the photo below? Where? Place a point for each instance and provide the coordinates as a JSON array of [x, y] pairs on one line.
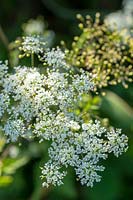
[[25, 184], [60, 14]]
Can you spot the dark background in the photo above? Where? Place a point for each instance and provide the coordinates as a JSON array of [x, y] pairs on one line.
[[60, 14]]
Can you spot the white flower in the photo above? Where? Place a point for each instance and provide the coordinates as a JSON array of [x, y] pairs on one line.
[[52, 174], [33, 104], [117, 142], [122, 18], [34, 26], [4, 103], [33, 44], [83, 150], [55, 58], [3, 71], [39, 27], [74, 126], [14, 129]]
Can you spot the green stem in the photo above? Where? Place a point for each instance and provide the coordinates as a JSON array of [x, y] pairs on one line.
[[3, 38], [32, 59]]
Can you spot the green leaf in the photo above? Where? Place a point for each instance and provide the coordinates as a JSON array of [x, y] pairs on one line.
[[5, 180], [2, 143], [116, 109], [10, 165]]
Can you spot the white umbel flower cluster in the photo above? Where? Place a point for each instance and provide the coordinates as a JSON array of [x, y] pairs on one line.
[[34, 104], [38, 100], [3, 71], [122, 18], [38, 26], [55, 57], [83, 148], [33, 44]]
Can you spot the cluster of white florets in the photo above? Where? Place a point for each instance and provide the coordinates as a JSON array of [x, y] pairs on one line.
[[122, 18], [33, 104], [33, 44], [55, 57], [82, 147], [38, 27], [37, 100], [3, 71]]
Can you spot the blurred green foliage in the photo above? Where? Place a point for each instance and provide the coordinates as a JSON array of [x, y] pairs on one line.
[[10, 161]]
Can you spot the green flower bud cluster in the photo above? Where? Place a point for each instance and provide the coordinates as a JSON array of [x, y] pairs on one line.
[[107, 54]]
